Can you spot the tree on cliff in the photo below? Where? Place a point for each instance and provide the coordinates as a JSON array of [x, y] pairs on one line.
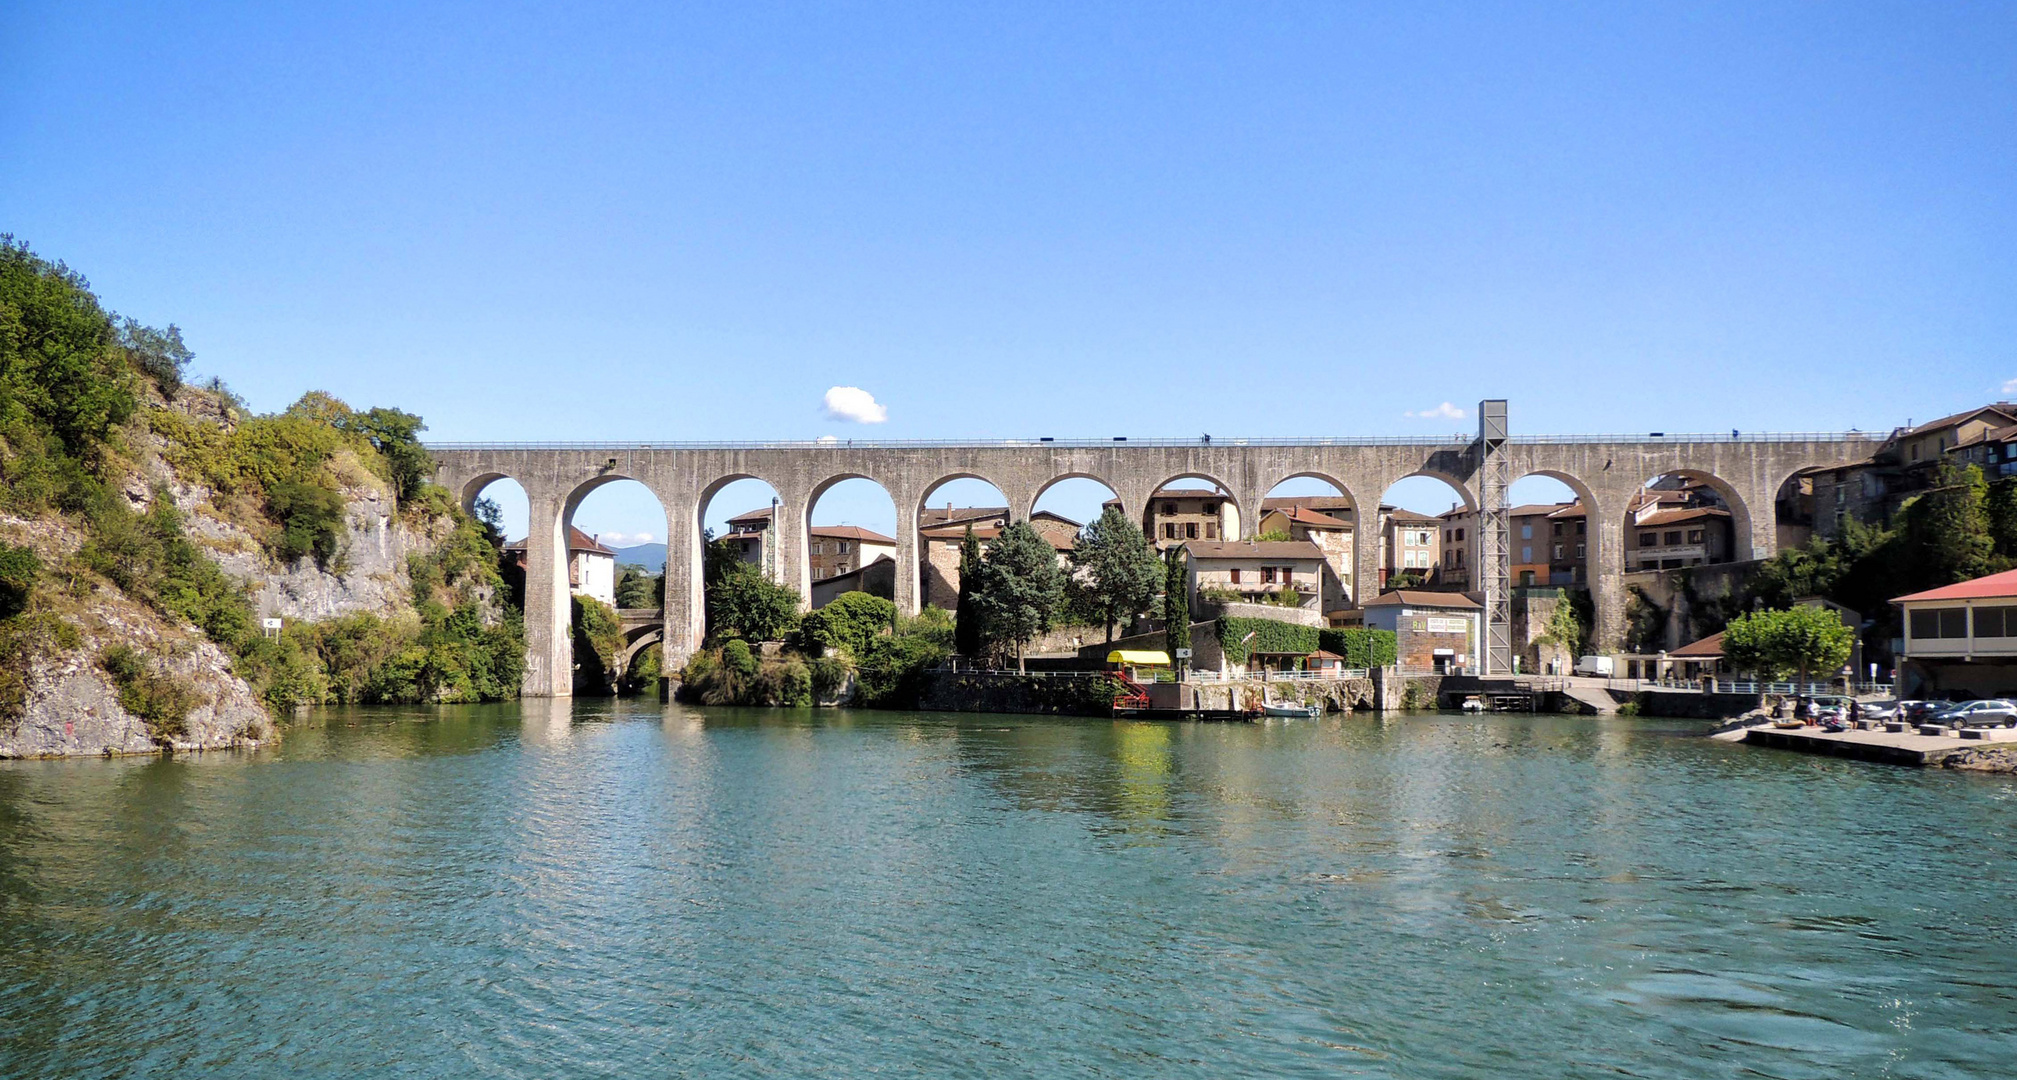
[[1176, 603], [966, 622], [1799, 642], [1122, 571], [1947, 535], [1017, 588]]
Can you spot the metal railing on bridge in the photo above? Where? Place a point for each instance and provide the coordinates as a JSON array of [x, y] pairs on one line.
[[1457, 441]]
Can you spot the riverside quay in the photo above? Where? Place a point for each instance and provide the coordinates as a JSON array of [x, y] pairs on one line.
[[1747, 470]]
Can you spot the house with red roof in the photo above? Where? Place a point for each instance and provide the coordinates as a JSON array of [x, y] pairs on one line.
[[1961, 639]]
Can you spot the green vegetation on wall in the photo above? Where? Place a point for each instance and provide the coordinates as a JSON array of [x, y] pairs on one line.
[[1361, 647]]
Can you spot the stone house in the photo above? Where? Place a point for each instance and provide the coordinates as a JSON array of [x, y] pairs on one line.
[[940, 537], [1256, 571], [1177, 515], [1331, 535], [840, 549], [1873, 489]]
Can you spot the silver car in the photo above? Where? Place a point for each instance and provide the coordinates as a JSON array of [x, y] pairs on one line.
[[1994, 712]]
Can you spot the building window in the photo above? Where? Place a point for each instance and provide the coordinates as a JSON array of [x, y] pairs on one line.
[[1558, 528], [1996, 622], [1579, 549], [1235, 575], [1558, 551], [1694, 536], [1579, 527], [1940, 623], [818, 548], [1190, 530], [840, 548], [1211, 508], [1527, 531], [1169, 508], [1650, 539], [1211, 530], [1526, 553], [1169, 530], [1673, 537], [1267, 575]]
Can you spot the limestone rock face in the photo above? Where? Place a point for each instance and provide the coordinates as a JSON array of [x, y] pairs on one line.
[[73, 707], [368, 575]]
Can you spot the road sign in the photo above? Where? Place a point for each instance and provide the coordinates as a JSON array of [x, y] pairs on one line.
[[270, 624], [1183, 654]]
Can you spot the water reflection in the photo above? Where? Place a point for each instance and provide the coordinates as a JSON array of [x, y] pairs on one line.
[[618, 887]]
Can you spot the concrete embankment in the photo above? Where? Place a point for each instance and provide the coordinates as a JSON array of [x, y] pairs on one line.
[[1894, 748]]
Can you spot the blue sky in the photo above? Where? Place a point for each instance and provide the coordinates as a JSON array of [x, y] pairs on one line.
[[614, 222]]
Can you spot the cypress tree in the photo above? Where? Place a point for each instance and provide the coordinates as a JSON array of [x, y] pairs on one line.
[[966, 622], [1176, 603]]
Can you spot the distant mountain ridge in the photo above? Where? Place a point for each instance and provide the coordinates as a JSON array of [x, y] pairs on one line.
[[649, 556]]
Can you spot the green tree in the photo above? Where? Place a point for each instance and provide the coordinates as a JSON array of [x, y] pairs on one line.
[[1017, 588], [396, 437], [1122, 571], [1776, 644], [18, 570], [2000, 507], [850, 622], [741, 601], [637, 587], [1946, 531], [1176, 603], [966, 622], [159, 353]]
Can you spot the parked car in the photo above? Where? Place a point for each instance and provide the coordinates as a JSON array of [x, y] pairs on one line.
[[1830, 707], [1600, 667], [1994, 712], [1917, 711], [1881, 710]]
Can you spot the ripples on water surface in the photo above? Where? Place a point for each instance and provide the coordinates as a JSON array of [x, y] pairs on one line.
[[607, 890]]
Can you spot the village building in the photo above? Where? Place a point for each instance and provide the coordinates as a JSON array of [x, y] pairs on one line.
[[839, 549], [591, 568], [878, 578], [1331, 535], [1257, 572], [1433, 631], [943, 531], [1410, 543], [1871, 490], [1177, 515], [1960, 640]]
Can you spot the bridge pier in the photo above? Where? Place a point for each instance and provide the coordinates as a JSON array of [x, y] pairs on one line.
[[549, 639]]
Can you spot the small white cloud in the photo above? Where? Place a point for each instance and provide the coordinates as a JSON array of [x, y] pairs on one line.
[[2010, 387], [854, 403], [1445, 411], [827, 439]]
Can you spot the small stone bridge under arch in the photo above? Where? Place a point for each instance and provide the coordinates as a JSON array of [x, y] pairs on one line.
[[1748, 470]]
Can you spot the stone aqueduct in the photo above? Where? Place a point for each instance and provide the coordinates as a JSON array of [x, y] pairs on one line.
[[1748, 470]]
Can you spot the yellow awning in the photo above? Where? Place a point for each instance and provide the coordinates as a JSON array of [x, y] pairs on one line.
[[1138, 656]]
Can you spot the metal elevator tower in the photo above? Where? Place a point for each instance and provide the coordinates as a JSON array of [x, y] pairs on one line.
[[1495, 542]]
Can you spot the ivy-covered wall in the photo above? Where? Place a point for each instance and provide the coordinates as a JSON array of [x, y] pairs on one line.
[[1361, 648]]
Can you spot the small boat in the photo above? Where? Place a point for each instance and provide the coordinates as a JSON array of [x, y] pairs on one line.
[[1473, 704], [1296, 712]]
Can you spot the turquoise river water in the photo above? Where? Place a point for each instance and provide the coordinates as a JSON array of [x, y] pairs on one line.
[[615, 889]]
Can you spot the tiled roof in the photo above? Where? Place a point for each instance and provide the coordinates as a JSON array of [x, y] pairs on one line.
[[2000, 408], [1539, 509], [1304, 516], [1676, 517], [576, 541], [1252, 549], [752, 517], [1325, 503], [1994, 587], [1064, 542], [1409, 517], [934, 516], [2007, 433], [1707, 648], [1573, 510], [851, 532], [1424, 598]]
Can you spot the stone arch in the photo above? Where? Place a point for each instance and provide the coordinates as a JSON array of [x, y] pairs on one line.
[[1076, 474], [1460, 486], [473, 488], [1312, 474], [924, 497], [640, 640], [1733, 500]]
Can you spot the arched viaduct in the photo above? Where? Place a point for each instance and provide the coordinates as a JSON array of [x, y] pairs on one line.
[[1748, 470]]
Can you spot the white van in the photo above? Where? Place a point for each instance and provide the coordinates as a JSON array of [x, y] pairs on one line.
[[1595, 666]]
